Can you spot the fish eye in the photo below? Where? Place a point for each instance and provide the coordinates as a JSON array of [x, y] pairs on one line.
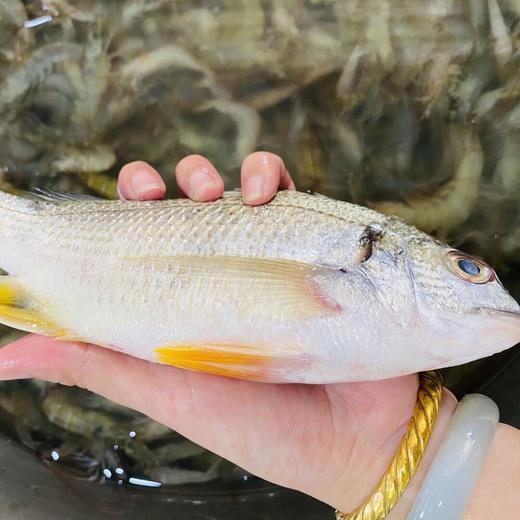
[[468, 268]]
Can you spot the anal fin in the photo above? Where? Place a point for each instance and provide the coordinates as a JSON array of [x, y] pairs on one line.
[[230, 360]]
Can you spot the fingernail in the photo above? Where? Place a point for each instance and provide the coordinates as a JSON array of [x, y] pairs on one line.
[[254, 189], [142, 182], [199, 180]]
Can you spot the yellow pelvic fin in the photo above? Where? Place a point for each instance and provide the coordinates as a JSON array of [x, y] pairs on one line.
[[16, 311], [268, 288], [238, 361]]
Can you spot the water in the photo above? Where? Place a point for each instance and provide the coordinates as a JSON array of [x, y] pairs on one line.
[[409, 107], [94, 439]]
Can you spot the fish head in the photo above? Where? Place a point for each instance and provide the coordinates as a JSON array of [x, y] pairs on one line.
[[460, 302], [423, 304]]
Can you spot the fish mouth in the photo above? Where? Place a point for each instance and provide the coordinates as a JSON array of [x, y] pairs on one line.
[[503, 324], [514, 315]]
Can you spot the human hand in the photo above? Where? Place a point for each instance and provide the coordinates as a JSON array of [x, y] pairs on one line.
[[333, 442]]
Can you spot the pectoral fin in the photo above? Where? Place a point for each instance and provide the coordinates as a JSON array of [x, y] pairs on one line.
[[238, 361], [17, 311], [266, 288]]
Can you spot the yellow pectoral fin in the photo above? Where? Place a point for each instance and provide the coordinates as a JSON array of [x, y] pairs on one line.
[[238, 361], [17, 313]]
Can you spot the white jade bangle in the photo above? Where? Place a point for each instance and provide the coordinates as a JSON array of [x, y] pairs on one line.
[[448, 486]]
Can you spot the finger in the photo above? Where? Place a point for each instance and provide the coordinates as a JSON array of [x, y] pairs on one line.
[[199, 179], [262, 175], [140, 181]]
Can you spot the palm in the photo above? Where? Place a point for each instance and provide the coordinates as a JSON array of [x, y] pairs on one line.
[[285, 433]]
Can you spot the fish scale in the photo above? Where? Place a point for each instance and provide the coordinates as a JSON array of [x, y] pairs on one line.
[[303, 289], [224, 223]]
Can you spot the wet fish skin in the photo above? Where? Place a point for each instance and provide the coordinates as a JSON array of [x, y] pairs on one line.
[[303, 289]]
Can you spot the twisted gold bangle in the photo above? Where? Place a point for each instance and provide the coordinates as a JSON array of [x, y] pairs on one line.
[[409, 454]]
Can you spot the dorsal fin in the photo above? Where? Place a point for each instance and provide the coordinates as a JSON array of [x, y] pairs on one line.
[[53, 196]]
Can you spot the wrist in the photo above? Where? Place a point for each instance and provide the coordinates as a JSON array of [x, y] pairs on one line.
[[495, 495], [371, 469], [404, 506]]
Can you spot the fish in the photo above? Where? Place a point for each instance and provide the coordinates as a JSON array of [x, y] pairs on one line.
[[303, 289]]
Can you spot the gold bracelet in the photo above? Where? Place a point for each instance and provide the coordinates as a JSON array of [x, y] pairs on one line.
[[409, 454]]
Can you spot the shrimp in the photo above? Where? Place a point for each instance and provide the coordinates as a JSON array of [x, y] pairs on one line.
[[97, 158], [100, 183], [89, 80], [507, 171], [451, 204], [246, 121], [14, 37], [34, 70], [502, 43], [178, 450], [177, 476], [61, 410], [169, 56]]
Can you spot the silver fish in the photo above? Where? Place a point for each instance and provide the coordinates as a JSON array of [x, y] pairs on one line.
[[303, 289]]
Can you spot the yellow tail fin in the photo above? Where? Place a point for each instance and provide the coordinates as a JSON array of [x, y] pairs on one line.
[[7, 291], [16, 311]]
